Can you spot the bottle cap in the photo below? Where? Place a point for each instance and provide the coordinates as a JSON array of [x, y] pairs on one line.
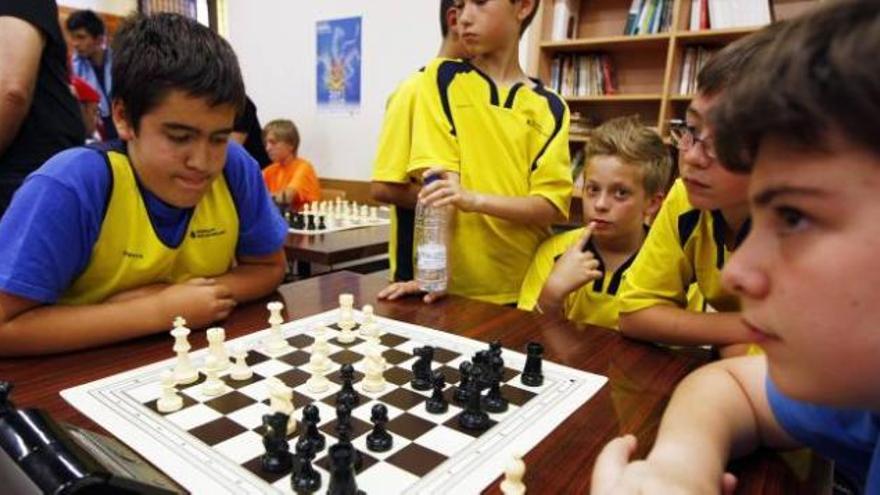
[[431, 178]]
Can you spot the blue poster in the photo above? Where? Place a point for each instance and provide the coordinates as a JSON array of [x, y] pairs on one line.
[[339, 64]]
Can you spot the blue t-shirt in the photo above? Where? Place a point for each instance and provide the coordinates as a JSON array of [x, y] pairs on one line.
[[849, 437], [54, 220]]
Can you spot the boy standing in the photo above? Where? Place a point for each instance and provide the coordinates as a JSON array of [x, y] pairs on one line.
[[290, 178], [807, 274], [578, 273], [102, 245], [500, 142], [391, 182], [92, 61]]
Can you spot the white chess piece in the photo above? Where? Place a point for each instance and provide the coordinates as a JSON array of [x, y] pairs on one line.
[[317, 382], [513, 476], [368, 325], [170, 401], [274, 343], [184, 371], [281, 400], [374, 369], [213, 384], [318, 362], [241, 370], [346, 319], [374, 213], [216, 337]]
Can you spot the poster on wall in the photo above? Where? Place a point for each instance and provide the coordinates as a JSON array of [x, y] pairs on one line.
[[339, 65]]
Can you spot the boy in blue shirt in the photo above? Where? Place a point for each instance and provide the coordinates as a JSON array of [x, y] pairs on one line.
[[805, 122], [111, 243]]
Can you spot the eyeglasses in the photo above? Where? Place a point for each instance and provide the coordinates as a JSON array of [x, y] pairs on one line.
[[684, 137]]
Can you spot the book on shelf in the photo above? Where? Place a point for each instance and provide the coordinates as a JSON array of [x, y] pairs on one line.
[[695, 58], [723, 14], [565, 19], [590, 74], [648, 17]]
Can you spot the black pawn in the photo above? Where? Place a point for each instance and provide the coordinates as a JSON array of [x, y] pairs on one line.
[[495, 402], [321, 224], [347, 395], [379, 440], [342, 480], [277, 458], [298, 221], [532, 375], [461, 393], [305, 479], [436, 404], [422, 368], [6, 405], [311, 224], [311, 418], [343, 423], [473, 417]]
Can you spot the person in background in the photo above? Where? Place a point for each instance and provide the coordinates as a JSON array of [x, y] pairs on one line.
[[39, 115], [93, 61], [290, 178], [88, 103], [248, 132]]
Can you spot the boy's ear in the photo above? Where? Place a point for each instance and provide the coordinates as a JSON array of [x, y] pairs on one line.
[[525, 9], [120, 120], [653, 206]]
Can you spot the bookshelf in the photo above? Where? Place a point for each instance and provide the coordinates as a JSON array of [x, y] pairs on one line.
[[647, 67]]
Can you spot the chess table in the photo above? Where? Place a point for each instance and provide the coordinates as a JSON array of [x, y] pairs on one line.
[[334, 248], [641, 378]]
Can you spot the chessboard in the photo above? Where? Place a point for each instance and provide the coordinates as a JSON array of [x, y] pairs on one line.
[[329, 216], [214, 444]]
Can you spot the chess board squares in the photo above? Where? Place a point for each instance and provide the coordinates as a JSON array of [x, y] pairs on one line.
[[270, 367], [391, 340], [409, 426], [516, 395], [194, 416], [398, 376], [236, 384], [254, 357], [195, 390], [251, 417], [187, 402], [442, 355], [394, 356], [293, 377], [331, 399], [416, 459], [367, 462], [346, 356], [295, 358], [451, 374], [356, 341], [332, 389], [242, 447], [453, 423], [421, 411], [358, 427], [301, 341], [402, 398], [379, 477], [255, 466], [231, 402], [444, 440], [397, 442], [365, 413], [336, 376], [216, 431]]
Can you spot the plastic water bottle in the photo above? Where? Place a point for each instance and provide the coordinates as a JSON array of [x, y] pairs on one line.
[[431, 243]]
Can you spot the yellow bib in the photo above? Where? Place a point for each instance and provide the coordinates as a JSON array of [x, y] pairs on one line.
[[129, 254]]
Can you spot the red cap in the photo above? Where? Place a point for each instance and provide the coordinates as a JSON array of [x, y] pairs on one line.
[[85, 93]]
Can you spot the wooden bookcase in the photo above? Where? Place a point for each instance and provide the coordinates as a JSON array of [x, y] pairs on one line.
[[647, 67]]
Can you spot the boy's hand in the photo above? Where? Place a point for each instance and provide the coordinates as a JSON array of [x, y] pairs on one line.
[[201, 301], [447, 190], [614, 473], [402, 289], [575, 267]]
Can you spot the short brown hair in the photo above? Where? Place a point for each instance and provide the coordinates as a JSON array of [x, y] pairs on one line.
[[284, 130], [820, 76], [635, 144], [729, 63]]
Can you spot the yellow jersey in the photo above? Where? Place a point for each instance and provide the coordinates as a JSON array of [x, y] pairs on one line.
[[502, 141]]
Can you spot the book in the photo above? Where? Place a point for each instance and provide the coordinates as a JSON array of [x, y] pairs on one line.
[[565, 20], [632, 17]]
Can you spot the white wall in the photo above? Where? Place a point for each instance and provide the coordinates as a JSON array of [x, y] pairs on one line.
[[115, 7], [275, 43]]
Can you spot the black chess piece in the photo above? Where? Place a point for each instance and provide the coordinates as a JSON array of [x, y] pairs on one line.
[[321, 224], [299, 221], [422, 368], [461, 393], [343, 422], [311, 222], [379, 440], [6, 405], [342, 469], [305, 479], [277, 458], [436, 404], [495, 401], [473, 417], [347, 394], [532, 375], [311, 418], [288, 218]]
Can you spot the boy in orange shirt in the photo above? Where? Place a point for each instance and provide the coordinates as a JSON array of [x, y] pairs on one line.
[[290, 178]]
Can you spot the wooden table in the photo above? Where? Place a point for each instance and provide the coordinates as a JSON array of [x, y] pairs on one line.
[[641, 377], [336, 247]]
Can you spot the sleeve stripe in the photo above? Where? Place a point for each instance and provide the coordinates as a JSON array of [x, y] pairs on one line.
[[557, 108]]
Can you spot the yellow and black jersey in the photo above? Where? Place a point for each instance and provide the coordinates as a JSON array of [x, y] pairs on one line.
[[502, 141], [595, 303], [685, 246]]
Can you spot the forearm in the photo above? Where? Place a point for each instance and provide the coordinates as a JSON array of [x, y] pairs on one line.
[[677, 326], [531, 210], [249, 281], [404, 195], [552, 299], [14, 105]]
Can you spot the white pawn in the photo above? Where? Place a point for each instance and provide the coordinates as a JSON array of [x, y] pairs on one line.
[[281, 400], [346, 319], [317, 382], [374, 213], [321, 346], [318, 362], [274, 342], [216, 336], [184, 371], [369, 324], [213, 384], [170, 401], [241, 370], [513, 476]]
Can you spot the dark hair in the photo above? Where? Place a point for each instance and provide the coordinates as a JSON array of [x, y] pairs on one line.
[[821, 76], [729, 64], [153, 55], [86, 19], [445, 5]]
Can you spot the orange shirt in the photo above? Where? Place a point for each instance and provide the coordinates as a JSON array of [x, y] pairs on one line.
[[299, 175]]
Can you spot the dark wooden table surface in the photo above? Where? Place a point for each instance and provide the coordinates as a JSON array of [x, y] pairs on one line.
[[641, 378], [338, 247]]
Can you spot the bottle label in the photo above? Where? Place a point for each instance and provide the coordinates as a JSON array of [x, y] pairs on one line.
[[431, 257]]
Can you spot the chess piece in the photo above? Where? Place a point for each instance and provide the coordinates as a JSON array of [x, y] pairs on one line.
[[281, 400], [6, 405], [321, 224], [216, 336], [374, 369], [532, 375], [342, 469], [240, 370], [213, 384], [346, 319], [311, 417], [277, 458], [184, 371], [461, 393], [170, 401], [343, 422], [304, 478], [422, 368], [319, 363], [311, 222], [317, 382], [368, 326], [347, 394], [436, 404], [473, 417], [379, 440], [495, 401], [299, 221], [374, 213], [513, 475], [274, 343]]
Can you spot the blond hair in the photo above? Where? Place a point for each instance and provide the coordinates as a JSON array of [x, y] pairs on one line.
[[635, 144], [284, 130]]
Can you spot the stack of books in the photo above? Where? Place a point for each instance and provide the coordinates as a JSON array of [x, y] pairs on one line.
[[589, 74], [695, 58], [649, 17], [721, 14]]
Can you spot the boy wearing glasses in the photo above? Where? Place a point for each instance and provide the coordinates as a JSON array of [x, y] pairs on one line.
[[705, 216]]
